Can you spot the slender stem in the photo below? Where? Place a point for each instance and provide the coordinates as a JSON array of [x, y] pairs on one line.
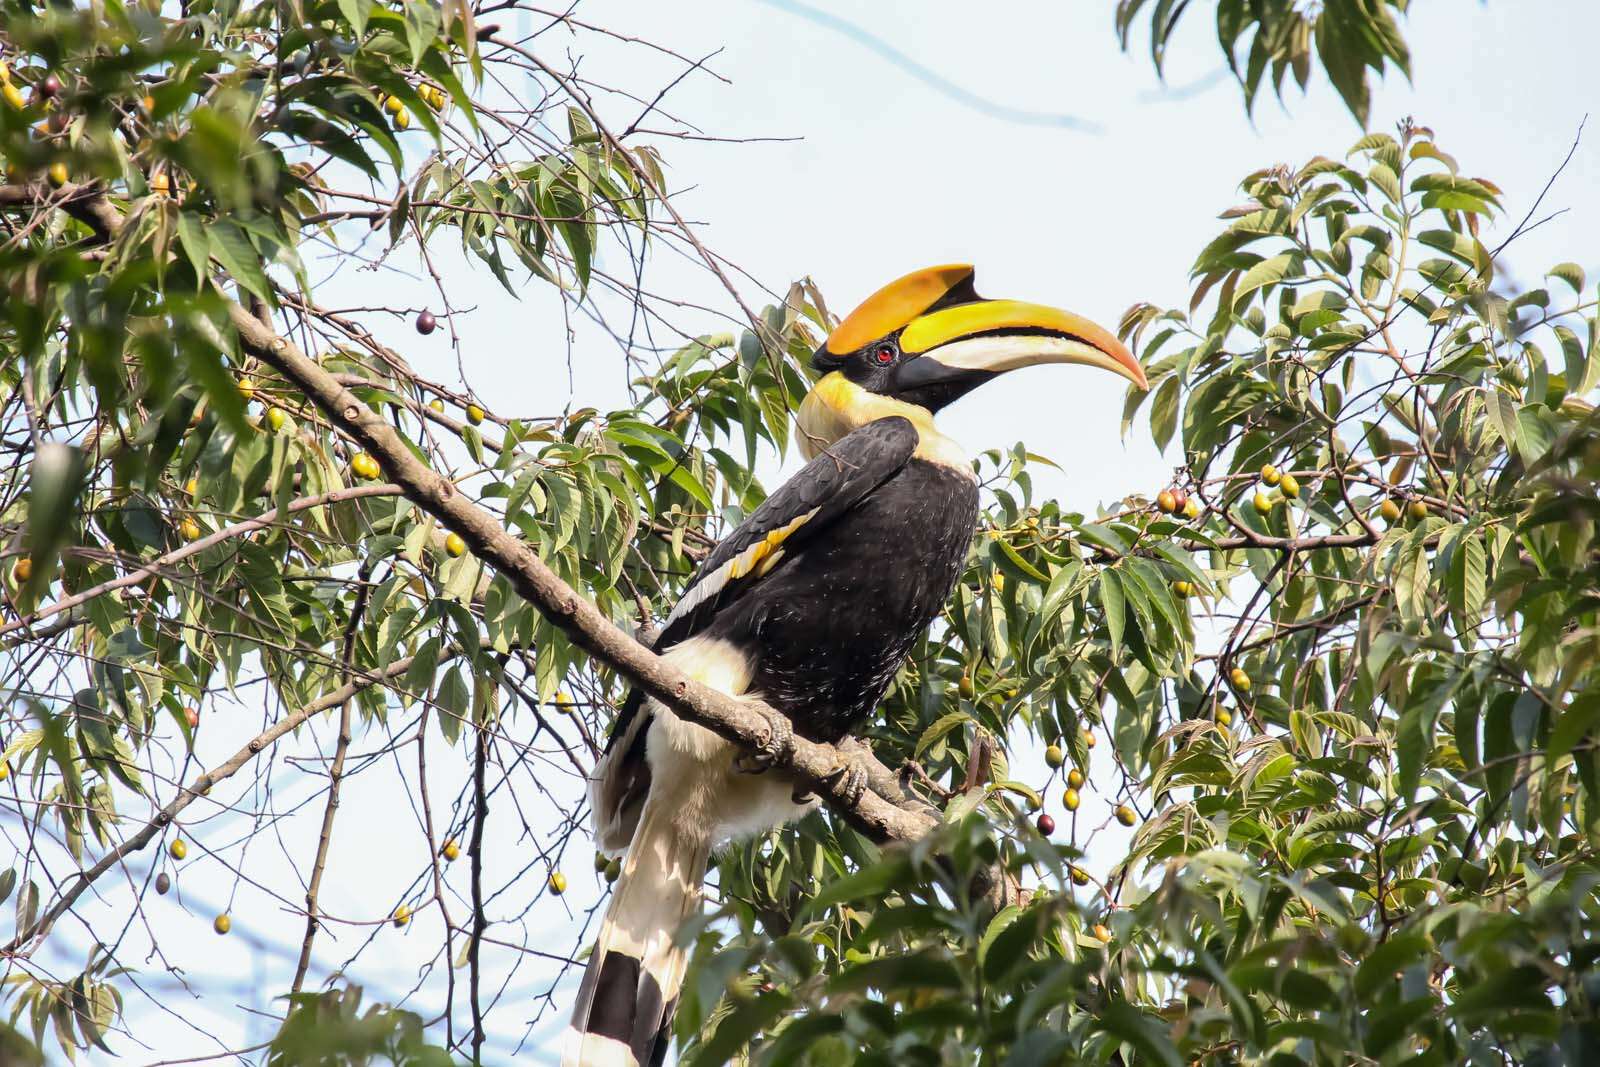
[[480, 815], [335, 776], [196, 789]]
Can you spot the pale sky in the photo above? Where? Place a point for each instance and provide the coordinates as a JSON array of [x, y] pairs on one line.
[[892, 170]]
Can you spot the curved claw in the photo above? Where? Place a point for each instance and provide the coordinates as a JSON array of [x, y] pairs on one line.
[[849, 777], [852, 779], [775, 748]]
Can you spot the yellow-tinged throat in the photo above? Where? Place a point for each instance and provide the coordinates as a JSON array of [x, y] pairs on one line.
[[836, 405]]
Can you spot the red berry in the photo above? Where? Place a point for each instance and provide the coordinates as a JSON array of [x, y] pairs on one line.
[[1180, 500], [426, 323], [49, 86], [1047, 825]]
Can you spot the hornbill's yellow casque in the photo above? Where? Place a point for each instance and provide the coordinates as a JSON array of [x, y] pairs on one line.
[[810, 605]]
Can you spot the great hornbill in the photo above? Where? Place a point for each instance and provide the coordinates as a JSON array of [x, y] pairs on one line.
[[811, 604]]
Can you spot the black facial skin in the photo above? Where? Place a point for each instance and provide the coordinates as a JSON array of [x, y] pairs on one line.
[[883, 369]]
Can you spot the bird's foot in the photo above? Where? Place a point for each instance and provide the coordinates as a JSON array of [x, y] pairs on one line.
[[848, 777], [777, 747]]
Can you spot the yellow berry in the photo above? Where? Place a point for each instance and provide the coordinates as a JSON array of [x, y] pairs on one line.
[[1125, 815], [192, 486], [1088, 739], [1070, 799], [276, 418], [222, 924], [160, 184], [1270, 474], [558, 883], [1183, 588], [1240, 679], [1262, 503], [564, 703], [402, 119], [1079, 875], [1101, 933], [1075, 778], [392, 104], [58, 174], [1390, 511], [1053, 756], [474, 414], [247, 389], [23, 570], [1417, 510], [402, 915], [1166, 501], [1289, 487], [965, 687], [5, 771], [364, 466], [450, 851], [436, 405], [454, 545], [178, 849], [189, 530], [1191, 508], [148, 102], [1224, 717]]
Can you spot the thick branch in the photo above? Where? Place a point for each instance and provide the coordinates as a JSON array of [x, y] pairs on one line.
[[741, 721]]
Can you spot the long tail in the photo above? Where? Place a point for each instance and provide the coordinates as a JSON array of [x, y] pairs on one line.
[[623, 1016]]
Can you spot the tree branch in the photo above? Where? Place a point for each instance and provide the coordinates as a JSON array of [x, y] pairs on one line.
[[743, 722], [335, 776]]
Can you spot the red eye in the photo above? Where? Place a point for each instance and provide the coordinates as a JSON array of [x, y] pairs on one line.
[[883, 355]]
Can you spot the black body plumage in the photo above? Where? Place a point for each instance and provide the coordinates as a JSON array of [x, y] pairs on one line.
[[830, 626], [859, 580]]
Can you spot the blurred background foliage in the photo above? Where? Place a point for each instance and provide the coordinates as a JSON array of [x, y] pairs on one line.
[[1344, 665], [1267, 41]]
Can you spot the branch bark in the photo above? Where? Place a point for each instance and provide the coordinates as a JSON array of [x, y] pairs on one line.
[[743, 722]]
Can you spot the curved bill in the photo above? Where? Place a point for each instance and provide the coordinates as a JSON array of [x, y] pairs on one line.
[[989, 337]]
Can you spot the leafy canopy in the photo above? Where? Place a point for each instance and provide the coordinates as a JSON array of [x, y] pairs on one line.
[[1348, 702]]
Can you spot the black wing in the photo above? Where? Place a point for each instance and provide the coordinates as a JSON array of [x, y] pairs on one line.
[[819, 493]]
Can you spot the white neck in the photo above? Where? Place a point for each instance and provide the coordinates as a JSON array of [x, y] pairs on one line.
[[836, 405]]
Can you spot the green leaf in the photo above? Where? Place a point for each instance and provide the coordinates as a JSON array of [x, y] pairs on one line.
[[1570, 273], [1112, 604], [1142, 1031], [356, 12], [56, 476], [1268, 273], [1164, 412], [240, 259]]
